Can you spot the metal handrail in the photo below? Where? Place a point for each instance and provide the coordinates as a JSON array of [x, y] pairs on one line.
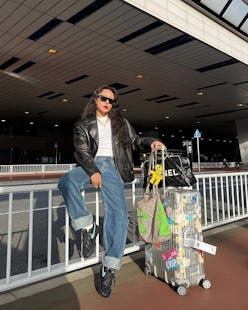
[[34, 168], [35, 225], [43, 168]]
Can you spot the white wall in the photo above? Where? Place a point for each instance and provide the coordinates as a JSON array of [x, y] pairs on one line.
[[187, 19]]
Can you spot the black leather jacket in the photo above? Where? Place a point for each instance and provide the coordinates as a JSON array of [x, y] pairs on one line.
[[86, 145]]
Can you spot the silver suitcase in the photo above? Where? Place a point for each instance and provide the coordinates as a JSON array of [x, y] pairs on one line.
[[179, 261]]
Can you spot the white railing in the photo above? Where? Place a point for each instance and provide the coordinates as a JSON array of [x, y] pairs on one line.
[[36, 241], [216, 164], [33, 168], [9, 169], [224, 197], [6, 169]]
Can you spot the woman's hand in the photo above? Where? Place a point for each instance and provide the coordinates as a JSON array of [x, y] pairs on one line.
[[96, 180], [157, 145]]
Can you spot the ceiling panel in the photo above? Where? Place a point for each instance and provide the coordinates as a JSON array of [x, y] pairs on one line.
[[7, 9], [91, 47]]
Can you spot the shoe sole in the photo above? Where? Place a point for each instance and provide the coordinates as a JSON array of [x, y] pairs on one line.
[[99, 290], [90, 253]]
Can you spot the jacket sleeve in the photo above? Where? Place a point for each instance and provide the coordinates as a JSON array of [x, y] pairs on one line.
[[82, 145], [139, 143]]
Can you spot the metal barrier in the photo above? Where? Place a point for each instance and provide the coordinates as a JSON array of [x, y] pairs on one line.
[[216, 164], [224, 197], [36, 241], [9, 169], [5, 169]]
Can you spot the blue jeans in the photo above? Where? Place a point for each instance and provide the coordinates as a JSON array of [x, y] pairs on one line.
[[116, 216]]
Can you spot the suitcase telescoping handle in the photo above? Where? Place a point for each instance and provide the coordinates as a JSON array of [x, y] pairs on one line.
[[163, 150]]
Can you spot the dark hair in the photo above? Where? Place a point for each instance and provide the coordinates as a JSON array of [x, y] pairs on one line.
[[119, 126]]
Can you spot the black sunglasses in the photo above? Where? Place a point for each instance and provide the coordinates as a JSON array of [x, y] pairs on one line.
[[104, 99]]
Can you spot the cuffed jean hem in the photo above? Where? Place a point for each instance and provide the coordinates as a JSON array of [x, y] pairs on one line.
[[82, 222], [111, 262]]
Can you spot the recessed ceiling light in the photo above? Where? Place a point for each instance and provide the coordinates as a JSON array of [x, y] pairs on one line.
[[27, 113], [3, 120], [52, 51], [199, 93], [124, 110], [140, 133], [198, 122], [56, 125], [172, 136], [167, 117], [240, 104], [156, 127], [65, 100], [139, 76], [31, 123]]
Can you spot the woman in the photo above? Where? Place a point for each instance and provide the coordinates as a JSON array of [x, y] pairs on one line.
[[103, 141]]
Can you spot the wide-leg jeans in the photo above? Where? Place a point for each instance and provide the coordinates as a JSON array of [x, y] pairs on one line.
[[115, 221]]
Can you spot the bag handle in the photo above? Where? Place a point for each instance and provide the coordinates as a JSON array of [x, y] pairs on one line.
[[147, 191], [152, 163]]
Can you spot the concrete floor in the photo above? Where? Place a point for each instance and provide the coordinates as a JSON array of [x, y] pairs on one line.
[[228, 272]]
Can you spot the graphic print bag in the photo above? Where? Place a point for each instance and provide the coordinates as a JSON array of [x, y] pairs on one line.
[[152, 220], [178, 172]]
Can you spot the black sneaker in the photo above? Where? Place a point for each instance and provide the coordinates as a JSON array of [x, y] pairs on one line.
[[89, 240], [107, 276]]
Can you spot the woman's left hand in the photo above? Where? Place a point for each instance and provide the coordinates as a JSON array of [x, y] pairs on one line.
[[157, 145]]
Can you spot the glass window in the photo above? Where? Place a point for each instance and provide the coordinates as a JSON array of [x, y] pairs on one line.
[[235, 12], [245, 27], [216, 6]]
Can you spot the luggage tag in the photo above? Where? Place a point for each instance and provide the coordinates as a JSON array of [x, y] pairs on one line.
[[199, 245]]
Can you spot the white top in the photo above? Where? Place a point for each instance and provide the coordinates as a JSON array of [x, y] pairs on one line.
[[105, 137]]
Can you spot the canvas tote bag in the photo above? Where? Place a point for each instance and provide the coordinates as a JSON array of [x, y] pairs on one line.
[[153, 225]]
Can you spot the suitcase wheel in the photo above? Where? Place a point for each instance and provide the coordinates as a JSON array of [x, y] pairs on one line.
[[147, 271], [205, 283], [182, 290]]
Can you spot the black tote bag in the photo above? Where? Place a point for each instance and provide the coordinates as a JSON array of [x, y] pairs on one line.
[[177, 169], [178, 172]]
